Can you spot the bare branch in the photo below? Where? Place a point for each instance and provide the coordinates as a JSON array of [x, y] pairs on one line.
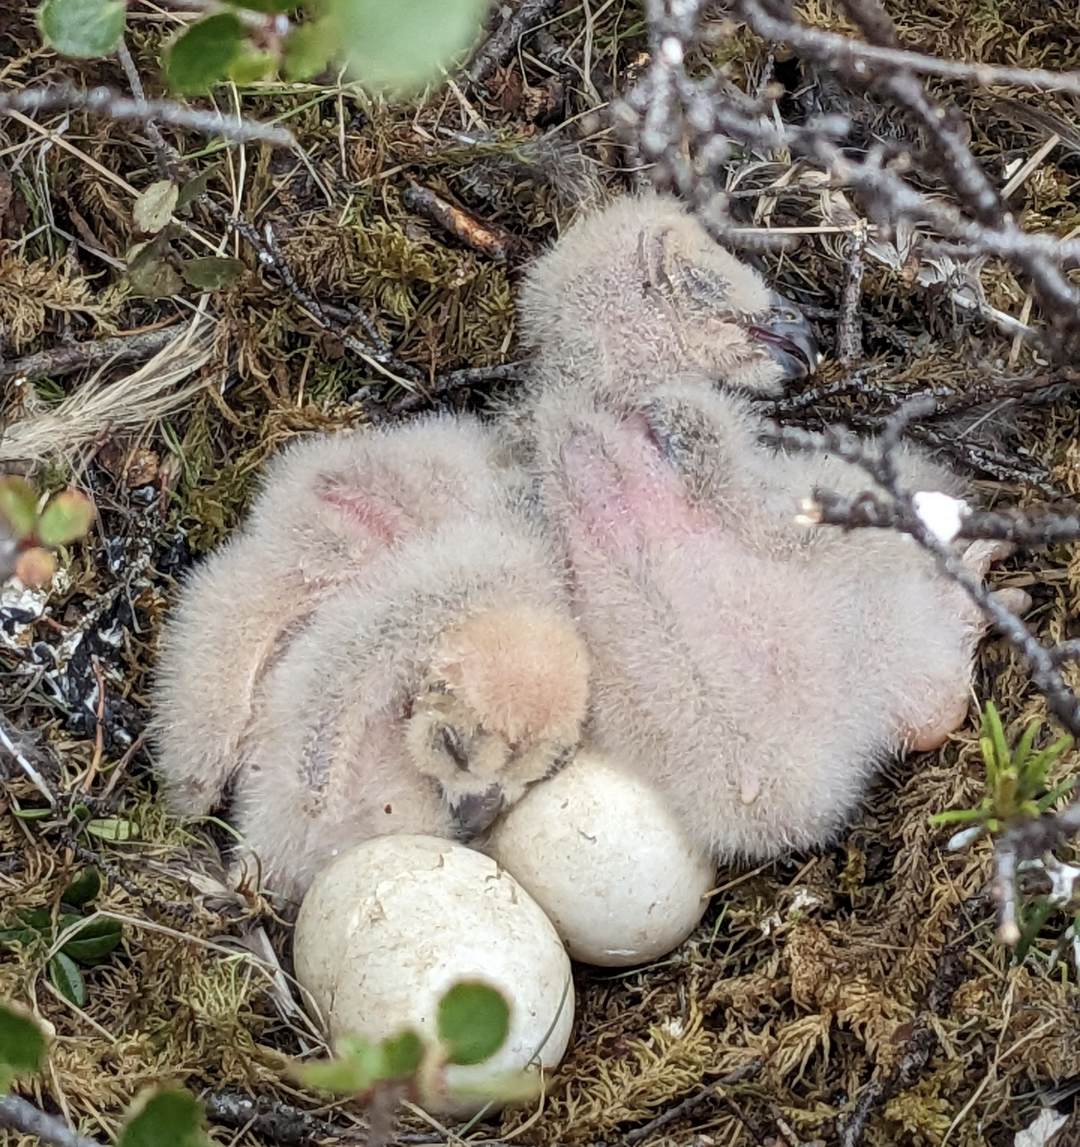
[[104, 101], [19, 1115]]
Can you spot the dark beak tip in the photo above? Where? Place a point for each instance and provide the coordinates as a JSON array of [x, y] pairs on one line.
[[477, 812]]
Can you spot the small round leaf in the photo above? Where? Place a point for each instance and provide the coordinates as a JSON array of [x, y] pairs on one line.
[[402, 1055], [66, 518], [202, 55], [82, 27], [400, 47], [35, 567], [169, 1117], [473, 1022], [212, 272], [83, 888], [18, 505], [154, 206]]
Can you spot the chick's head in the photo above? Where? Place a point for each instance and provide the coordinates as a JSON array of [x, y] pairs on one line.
[[500, 708], [640, 290]]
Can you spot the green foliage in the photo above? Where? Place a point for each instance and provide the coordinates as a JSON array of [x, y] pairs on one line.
[[82, 27], [393, 47], [90, 941], [154, 206], [27, 533], [399, 47], [22, 1046], [67, 517], [1015, 779], [212, 272], [361, 1064], [202, 55], [167, 1118], [473, 1023]]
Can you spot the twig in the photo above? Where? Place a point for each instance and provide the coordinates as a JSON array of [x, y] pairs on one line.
[[849, 326], [1043, 526], [19, 1115], [9, 740], [66, 358], [881, 468], [691, 1103], [281, 1123], [498, 46], [843, 54], [104, 101]]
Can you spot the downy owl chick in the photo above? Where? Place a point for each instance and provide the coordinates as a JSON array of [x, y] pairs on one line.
[[755, 668], [339, 520]]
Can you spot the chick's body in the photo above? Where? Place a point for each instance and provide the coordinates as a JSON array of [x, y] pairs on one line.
[[757, 669], [342, 663]]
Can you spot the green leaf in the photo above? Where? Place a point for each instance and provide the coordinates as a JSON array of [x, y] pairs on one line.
[[31, 813], [995, 748], [473, 1021], [84, 888], [167, 1118], [67, 979], [265, 5], [250, 66], [1048, 800], [154, 206], [150, 276], [18, 505], [39, 919], [202, 55], [22, 1045], [308, 50], [356, 1068], [212, 272], [957, 816], [195, 187], [400, 47], [94, 941], [24, 936], [111, 828], [68, 516], [82, 27], [401, 1055]]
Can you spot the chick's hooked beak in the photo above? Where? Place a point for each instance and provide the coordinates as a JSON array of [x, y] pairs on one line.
[[790, 340], [476, 812]]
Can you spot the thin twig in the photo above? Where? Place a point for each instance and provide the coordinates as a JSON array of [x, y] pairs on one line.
[[9, 741], [66, 358], [104, 101], [502, 42], [691, 1103], [1043, 526], [18, 1114]]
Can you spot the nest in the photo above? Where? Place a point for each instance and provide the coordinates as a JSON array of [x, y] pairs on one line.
[[860, 986]]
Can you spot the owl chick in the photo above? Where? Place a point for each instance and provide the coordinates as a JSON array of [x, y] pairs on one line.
[[423, 701], [330, 507], [757, 669]]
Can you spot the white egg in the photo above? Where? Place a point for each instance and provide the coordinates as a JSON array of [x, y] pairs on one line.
[[600, 852], [390, 926]]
